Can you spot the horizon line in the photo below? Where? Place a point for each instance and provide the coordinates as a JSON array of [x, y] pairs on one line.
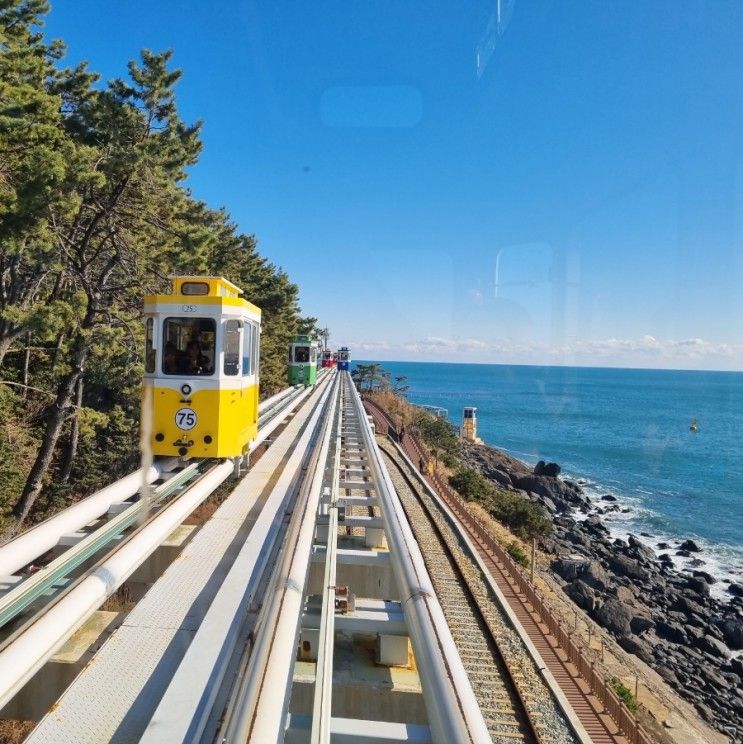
[[559, 366]]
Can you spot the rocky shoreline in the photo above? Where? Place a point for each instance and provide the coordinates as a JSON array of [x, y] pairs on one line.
[[664, 616]]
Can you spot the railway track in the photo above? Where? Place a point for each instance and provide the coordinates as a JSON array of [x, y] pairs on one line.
[[514, 700]]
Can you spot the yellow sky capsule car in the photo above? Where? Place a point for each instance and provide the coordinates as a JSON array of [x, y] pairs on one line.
[[201, 369]]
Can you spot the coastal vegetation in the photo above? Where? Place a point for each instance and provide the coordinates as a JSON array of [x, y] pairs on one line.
[[526, 519], [517, 553], [95, 213], [624, 694], [374, 378], [440, 436]]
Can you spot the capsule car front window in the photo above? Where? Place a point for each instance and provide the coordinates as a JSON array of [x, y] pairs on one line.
[[189, 346], [302, 354]]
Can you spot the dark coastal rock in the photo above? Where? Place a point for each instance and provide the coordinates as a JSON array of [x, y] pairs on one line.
[[548, 545], [641, 550], [732, 632], [622, 565], [697, 562], [736, 589], [736, 665], [568, 568], [640, 624], [548, 504], [683, 553], [608, 497], [595, 576], [688, 606], [582, 594], [670, 631], [500, 477], [636, 647], [578, 538], [690, 545], [549, 487], [712, 646], [667, 674], [663, 546], [697, 585], [705, 576], [551, 470], [595, 526], [665, 559], [615, 616], [625, 595], [705, 712]]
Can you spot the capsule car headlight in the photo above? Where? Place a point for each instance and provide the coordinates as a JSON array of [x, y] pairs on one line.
[[186, 389]]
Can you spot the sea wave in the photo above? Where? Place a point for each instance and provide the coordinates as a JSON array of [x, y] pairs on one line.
[[721, 561]]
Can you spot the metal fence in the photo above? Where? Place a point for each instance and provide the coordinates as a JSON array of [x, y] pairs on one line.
[[570, 643]]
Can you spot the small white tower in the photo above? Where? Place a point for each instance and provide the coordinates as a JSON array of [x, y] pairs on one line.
[[468, 430]]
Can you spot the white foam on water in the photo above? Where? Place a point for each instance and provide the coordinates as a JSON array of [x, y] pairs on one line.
[[720, 561]]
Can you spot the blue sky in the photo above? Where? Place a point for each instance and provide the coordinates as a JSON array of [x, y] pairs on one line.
[[562, 186]]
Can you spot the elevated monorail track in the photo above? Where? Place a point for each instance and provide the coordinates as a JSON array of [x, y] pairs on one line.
[[40, 609]]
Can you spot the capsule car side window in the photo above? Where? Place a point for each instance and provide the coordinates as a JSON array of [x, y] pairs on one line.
[[232, 347], [149, 351], [247, 346]]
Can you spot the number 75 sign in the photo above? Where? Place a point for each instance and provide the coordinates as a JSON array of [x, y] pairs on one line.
[[185, 418]]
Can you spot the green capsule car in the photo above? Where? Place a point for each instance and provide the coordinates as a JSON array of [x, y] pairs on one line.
[[303, 361]]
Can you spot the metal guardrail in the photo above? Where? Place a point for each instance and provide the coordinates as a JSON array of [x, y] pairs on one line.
[[585, 667]]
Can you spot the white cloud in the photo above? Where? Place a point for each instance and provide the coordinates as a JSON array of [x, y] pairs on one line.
[[646, 351]]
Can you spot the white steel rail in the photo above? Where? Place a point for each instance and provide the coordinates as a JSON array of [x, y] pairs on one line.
[[187, 705], [28, 546], [22, 595], [116, 695], [26, 653], [34, 542], [452, 708], [323, 698], [258, 707]]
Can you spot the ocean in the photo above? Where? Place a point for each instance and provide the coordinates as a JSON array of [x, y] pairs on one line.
[[618, 431]]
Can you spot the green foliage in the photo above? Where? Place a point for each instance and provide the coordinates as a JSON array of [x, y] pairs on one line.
[[523, 517], [371, 377], [309, 327], [17, 447], [400, 385], [93, 215], [624, 694], [439, 434], [471, 485], [517, 553]]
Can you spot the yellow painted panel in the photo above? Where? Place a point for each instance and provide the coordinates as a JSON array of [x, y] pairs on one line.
[[229, 417], [201, 300]]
